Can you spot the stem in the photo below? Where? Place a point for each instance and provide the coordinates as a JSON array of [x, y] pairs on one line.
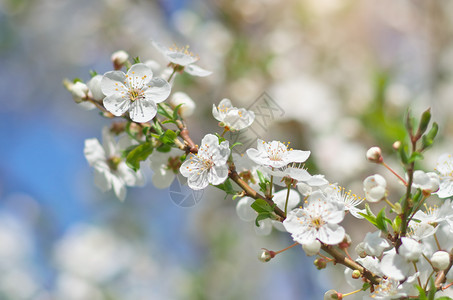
[[289, 247], [390, 203], [225, 130], [416, 270], [427, 280], [252, 193], [352, 293], [394, 173], [437, 242], [340, 258], [286, 202], [171, 76]]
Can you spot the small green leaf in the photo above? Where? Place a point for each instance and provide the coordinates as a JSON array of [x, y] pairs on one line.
[[161, 110], [164, 148], [366, 286], [136, 60], [444, 298], [424, 122], [227, 187], [381, 221], [168, 137], [138, 154], [261, 206], [221, 138], [403, 154], [263, 216], [421, 291], [176, 110], [415, 156], [93, 73], [368, 211], [168, 121], [396, 224], [432, 289], [157, 127], [235, 144]]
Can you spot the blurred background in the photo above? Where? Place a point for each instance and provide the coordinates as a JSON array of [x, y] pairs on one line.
[[343, 72]]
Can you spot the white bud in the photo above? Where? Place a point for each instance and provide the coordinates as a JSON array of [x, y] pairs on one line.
[[375, 188], [312, 248], [440, 260], [94, 86], [360, 250], [427, 182], [153, 65], [331, 294], [119, 58], [79, 91], [188, 106], [374, 154]]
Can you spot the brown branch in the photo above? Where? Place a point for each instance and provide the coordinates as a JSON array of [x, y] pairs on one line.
[[442, 275]]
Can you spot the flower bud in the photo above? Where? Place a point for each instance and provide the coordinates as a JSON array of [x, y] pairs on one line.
[[95, 88], [188, 106], [320, 263], [356, 274], [346, 242], [375, 188], [266, 255], [332, 294], [78, 90], [312, 248], [440, 260], [374, 154], [360, 250], [119, 58], [396, 145]]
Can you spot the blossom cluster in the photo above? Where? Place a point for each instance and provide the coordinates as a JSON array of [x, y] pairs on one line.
[[410, 252]]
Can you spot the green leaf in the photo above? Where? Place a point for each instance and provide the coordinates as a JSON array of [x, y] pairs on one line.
[[261, 177], [263, 216], [168, 121], [157, 127], [366, 286], [138, 154], [164, 148], [444, 298], [415, 156], [403, 154], [396, 224], [136, 60], [421, 291], [432, 289], [381, 221], [168, 137], [162, 111], [235, 144], [428, 139], [424, 121], [227, 187], [176, 110], [261, 206], [368, 211], [221, 138], [75, 80]]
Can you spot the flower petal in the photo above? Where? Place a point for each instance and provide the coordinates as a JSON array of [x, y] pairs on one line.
[[218, 174], [113, 83], [195, 70], [142, 110], [158, 90], [93, 151], [116, 104], [140, 73], [298, 156]]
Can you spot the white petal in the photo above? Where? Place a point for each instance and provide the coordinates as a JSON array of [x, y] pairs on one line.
[[93, 151], [108, 142], [331, 234], [142, 110], [280, 199], [198, 181], [113, 83], [158, 90], [95, 87], [101, 180], [244, 211], [265, 227], [395, 266], [218, 174], [119, 187], [117, 104], [140, 72], [296, 156], [195, 70], [188, 165]]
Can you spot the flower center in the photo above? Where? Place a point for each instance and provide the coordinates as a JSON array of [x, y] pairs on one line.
[[317, 222], [113, 162], [135, 94]]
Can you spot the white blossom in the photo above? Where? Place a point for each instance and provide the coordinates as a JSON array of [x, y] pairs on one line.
[[276, 154], [317, 220], [209, 165], [445, 170], [165, 166], [182, 57], [188, 106], [137, 92], [410, 249], [232, 118], [347, 198], [373, 243], [394, 265], [375, 188], [94, 86], [110, 170], [440, 260], [428, 182]]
